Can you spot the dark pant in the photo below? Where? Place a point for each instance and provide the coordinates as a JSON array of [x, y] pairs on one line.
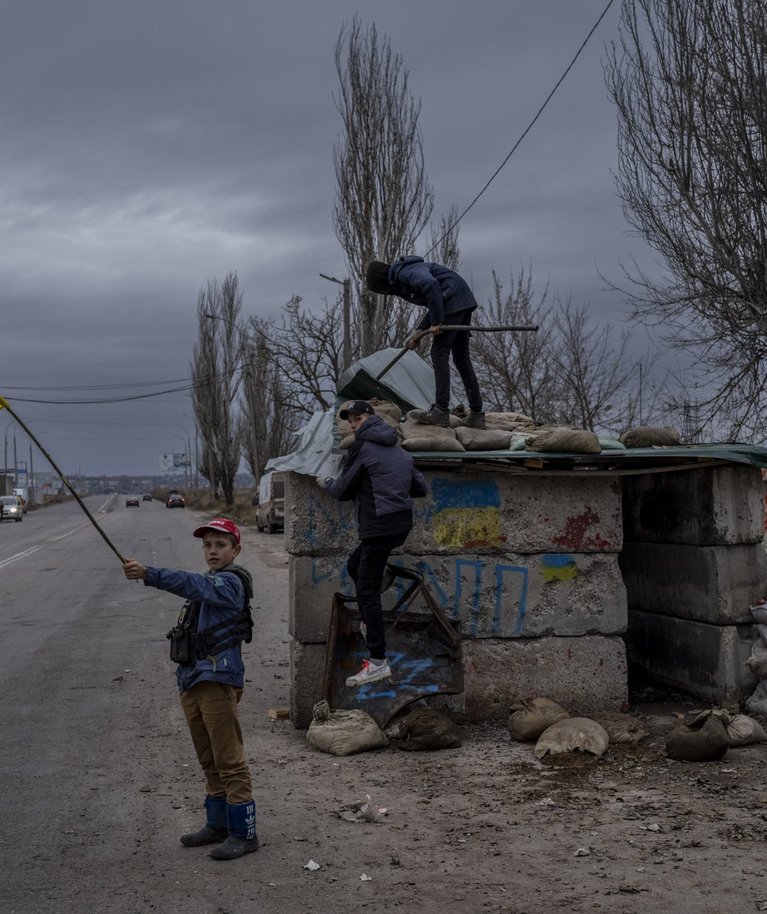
[[457, 343], [366, 566]]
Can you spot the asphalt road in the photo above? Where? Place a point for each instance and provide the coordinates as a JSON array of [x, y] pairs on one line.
[[98, 774]]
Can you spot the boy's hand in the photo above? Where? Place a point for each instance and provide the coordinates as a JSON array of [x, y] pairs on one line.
[[134, 571]]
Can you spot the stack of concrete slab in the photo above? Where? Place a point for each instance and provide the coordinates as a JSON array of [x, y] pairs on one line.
[[527, 564], [693, 563]]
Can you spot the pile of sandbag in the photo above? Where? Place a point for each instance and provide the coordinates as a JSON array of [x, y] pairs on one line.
[[757, 662], [705, 736], [556, 733]]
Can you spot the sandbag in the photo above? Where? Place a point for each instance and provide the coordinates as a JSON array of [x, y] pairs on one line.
[[571, 440], [611, 444], [443, 443], [410, 428], [480, 439], [743, 730], [703, 740], [650, 436], [509, 421], [529, 718], [576, 734], [757, 703], [343, 732], [622, 729], [425, 729], [757, 662]]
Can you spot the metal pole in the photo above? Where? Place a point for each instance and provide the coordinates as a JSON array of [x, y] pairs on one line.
[[347, 323], [5, 405]]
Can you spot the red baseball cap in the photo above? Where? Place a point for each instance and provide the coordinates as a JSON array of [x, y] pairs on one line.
[[220, 525]]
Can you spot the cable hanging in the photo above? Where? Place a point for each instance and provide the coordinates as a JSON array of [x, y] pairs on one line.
[[526, 131]]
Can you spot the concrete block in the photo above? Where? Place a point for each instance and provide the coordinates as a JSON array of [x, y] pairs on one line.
[[708, 661], [703, 507], [584, 675], [307, 670], [482, 512], [714, 584], [494, 596]]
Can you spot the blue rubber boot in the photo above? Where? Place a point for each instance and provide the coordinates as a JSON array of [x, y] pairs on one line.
[[215, 829], [242, 832]]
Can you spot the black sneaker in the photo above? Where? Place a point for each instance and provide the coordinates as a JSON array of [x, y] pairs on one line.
[[475, 420], [434, 415]]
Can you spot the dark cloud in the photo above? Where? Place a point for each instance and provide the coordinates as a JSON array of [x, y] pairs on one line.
[[150, 146]]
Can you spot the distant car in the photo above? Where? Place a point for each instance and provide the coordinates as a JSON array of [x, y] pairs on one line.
[[132, 501], [146, 497], [175, 501], [11, 508]]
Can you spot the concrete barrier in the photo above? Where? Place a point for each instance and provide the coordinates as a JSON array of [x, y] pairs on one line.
[[701, 507], [494, 596], [714, 584], [706, 660], [473, 512]]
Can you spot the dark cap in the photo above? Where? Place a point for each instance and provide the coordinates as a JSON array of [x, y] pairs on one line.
[[377, 277], [357, 408]]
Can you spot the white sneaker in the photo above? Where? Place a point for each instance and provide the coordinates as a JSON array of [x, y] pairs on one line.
[[370, 672]]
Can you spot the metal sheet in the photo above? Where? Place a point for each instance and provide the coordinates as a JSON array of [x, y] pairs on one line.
[[423, 647]]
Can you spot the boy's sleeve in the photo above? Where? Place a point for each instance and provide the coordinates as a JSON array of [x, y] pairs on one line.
[[418, 486], [346, 486], [221, 589]]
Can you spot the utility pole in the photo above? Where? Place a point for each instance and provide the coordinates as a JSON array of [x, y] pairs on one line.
[[347, 286]]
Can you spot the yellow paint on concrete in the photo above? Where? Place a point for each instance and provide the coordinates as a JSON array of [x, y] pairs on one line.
[[459, 528], [552, 573]]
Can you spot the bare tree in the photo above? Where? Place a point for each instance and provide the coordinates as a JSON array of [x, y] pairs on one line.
[[689, 80], [592, 372], [569, 372], [307, 350], [383, 197], [444, 241], [515, 370], [268, 420], [215, 372]]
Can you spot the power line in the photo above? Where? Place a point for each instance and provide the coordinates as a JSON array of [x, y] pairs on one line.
[[526, 131]]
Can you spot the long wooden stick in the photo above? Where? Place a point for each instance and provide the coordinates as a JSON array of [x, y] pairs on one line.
[[420, 333], [4, 405]]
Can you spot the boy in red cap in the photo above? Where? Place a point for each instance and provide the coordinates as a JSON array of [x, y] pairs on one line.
[[206, 644]]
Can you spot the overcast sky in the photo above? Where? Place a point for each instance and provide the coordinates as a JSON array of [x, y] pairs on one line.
[[149, 146]]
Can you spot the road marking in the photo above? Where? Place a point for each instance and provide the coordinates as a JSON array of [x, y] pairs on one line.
[[53, 539]]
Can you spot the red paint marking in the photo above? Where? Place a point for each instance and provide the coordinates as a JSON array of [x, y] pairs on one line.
[[576, 528]]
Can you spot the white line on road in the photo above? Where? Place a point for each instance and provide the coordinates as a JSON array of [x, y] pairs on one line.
[[53, 539]]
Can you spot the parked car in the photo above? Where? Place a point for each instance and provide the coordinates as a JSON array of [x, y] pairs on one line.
[[11, 508], [175, 501], [146, 497], [132, 501], [270, 505]]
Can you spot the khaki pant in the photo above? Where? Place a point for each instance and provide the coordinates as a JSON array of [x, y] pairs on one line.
[[211, 712]]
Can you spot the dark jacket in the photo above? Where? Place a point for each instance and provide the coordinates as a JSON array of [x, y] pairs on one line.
[[382, 480], [222, 598], [433, 286]]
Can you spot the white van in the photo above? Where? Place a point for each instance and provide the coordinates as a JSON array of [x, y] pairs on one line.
[[270, 503]]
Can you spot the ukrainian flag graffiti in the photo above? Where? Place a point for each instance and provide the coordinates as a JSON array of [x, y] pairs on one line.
[[466, 514]]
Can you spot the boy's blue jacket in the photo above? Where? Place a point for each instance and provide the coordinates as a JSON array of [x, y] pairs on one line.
[[381, 478], [433, 286], [221, 596]]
